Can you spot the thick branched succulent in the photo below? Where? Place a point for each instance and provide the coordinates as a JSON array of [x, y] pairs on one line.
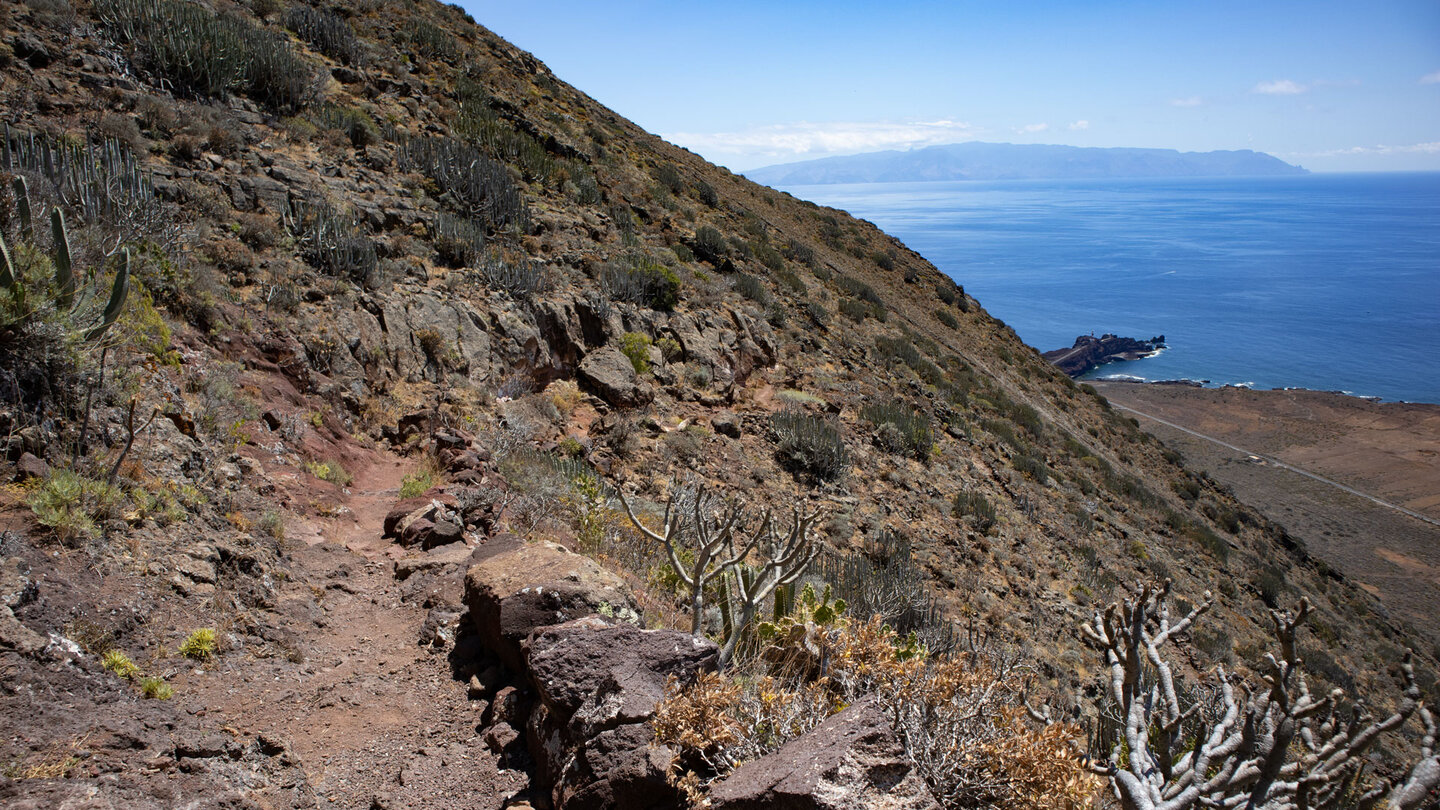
[[67, 286]]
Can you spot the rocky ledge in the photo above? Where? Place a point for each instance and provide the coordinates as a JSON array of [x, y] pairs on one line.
[[1090, 352]]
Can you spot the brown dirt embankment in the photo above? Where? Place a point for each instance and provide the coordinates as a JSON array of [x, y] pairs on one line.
[[1389, 452]]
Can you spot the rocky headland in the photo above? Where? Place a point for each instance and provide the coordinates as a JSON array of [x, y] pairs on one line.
[[1090, 352]]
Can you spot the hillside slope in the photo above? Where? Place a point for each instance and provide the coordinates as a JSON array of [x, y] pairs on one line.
[[402, 250]]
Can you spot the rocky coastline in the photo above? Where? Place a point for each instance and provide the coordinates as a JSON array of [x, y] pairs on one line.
[[1091, 352]]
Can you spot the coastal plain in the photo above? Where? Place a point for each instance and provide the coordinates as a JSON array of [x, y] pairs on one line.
[[1389, 451]]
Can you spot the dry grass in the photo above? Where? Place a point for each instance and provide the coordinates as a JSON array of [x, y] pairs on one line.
[[962, 720]]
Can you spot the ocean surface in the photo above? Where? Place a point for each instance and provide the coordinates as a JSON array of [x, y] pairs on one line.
[[1329, 282]]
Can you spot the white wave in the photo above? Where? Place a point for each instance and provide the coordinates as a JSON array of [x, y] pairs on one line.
[[1122, 378]]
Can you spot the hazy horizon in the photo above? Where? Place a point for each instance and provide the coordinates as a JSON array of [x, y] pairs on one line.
[[1336, 87]]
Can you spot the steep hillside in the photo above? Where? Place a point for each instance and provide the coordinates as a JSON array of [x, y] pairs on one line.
[[389, 255]]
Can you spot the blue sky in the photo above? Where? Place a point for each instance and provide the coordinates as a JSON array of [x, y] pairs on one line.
[[1332, 86]]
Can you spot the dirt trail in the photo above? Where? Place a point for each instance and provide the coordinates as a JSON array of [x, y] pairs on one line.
[[375, 718]]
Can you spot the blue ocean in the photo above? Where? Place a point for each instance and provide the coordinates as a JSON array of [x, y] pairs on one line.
[[1329, 282]]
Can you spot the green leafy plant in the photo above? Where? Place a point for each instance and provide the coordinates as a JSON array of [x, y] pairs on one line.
[[636, 347], [120, 664], [330, 471], [156, 688], [199, 645]]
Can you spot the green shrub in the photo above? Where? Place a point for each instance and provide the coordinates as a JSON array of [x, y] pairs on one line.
[[710, 245], [636, 347], [356, 124], [211, 54], [328, 33], [1032, 467], [638, 280], [809, 444], [431, 41], [416, 483], [1270, 584], [332, 241], [272, 523], [68, 504], [911, 429], [520, 278], [120, 664], [946, 318], [459, 241], [469, 181], [155, 688], [751, 287], [199, 645], [329, 471], [976, 506]]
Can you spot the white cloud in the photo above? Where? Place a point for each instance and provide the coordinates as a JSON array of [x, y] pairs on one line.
[[783, 142], [1192, 101], [1429, 148], [1081, 124], [1279, 87], [1431, 78], [1031, 129]]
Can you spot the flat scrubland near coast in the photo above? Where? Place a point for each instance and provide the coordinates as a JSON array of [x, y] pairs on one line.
[[1388, 450]]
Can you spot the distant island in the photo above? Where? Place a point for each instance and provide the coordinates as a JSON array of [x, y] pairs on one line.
[[1090, 352], [1009, 161]]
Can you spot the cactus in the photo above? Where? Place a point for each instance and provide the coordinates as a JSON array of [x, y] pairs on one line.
[[66, 283], [118, 293], [64, 274], [7, 267], [22, 208]]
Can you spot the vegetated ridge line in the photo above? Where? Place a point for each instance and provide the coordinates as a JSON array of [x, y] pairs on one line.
[[1278, 463]]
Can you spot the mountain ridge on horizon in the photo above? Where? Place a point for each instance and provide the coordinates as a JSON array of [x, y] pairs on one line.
[[981, 160]]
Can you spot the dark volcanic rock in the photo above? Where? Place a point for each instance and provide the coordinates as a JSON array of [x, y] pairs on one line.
[[599, 684], [612, 376], [1090, 351], [850, 761], [601, 674], [514, 593]]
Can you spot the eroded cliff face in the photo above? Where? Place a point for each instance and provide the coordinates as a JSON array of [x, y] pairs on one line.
[[439, 271]]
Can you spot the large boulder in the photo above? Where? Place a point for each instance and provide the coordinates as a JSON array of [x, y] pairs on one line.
[[851, 761], [611, 375], [595, 675], [599, 683], [517, 592]]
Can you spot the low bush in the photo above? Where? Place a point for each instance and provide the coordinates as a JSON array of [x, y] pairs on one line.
[[120, 664], [521, 278], [710, 245], [977, 508], [751, 287], [639, 280], [911, 429], [810, 444], [199, 645], [328, 33], [468, 181], [211, 54], [945, 711], [156, 688], [333, 241], [636, 347]]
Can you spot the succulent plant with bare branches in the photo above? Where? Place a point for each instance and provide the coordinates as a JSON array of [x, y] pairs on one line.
[[1280, 747], [709, 541]]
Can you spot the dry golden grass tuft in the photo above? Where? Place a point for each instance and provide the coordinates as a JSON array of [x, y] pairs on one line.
[[962, 720]]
